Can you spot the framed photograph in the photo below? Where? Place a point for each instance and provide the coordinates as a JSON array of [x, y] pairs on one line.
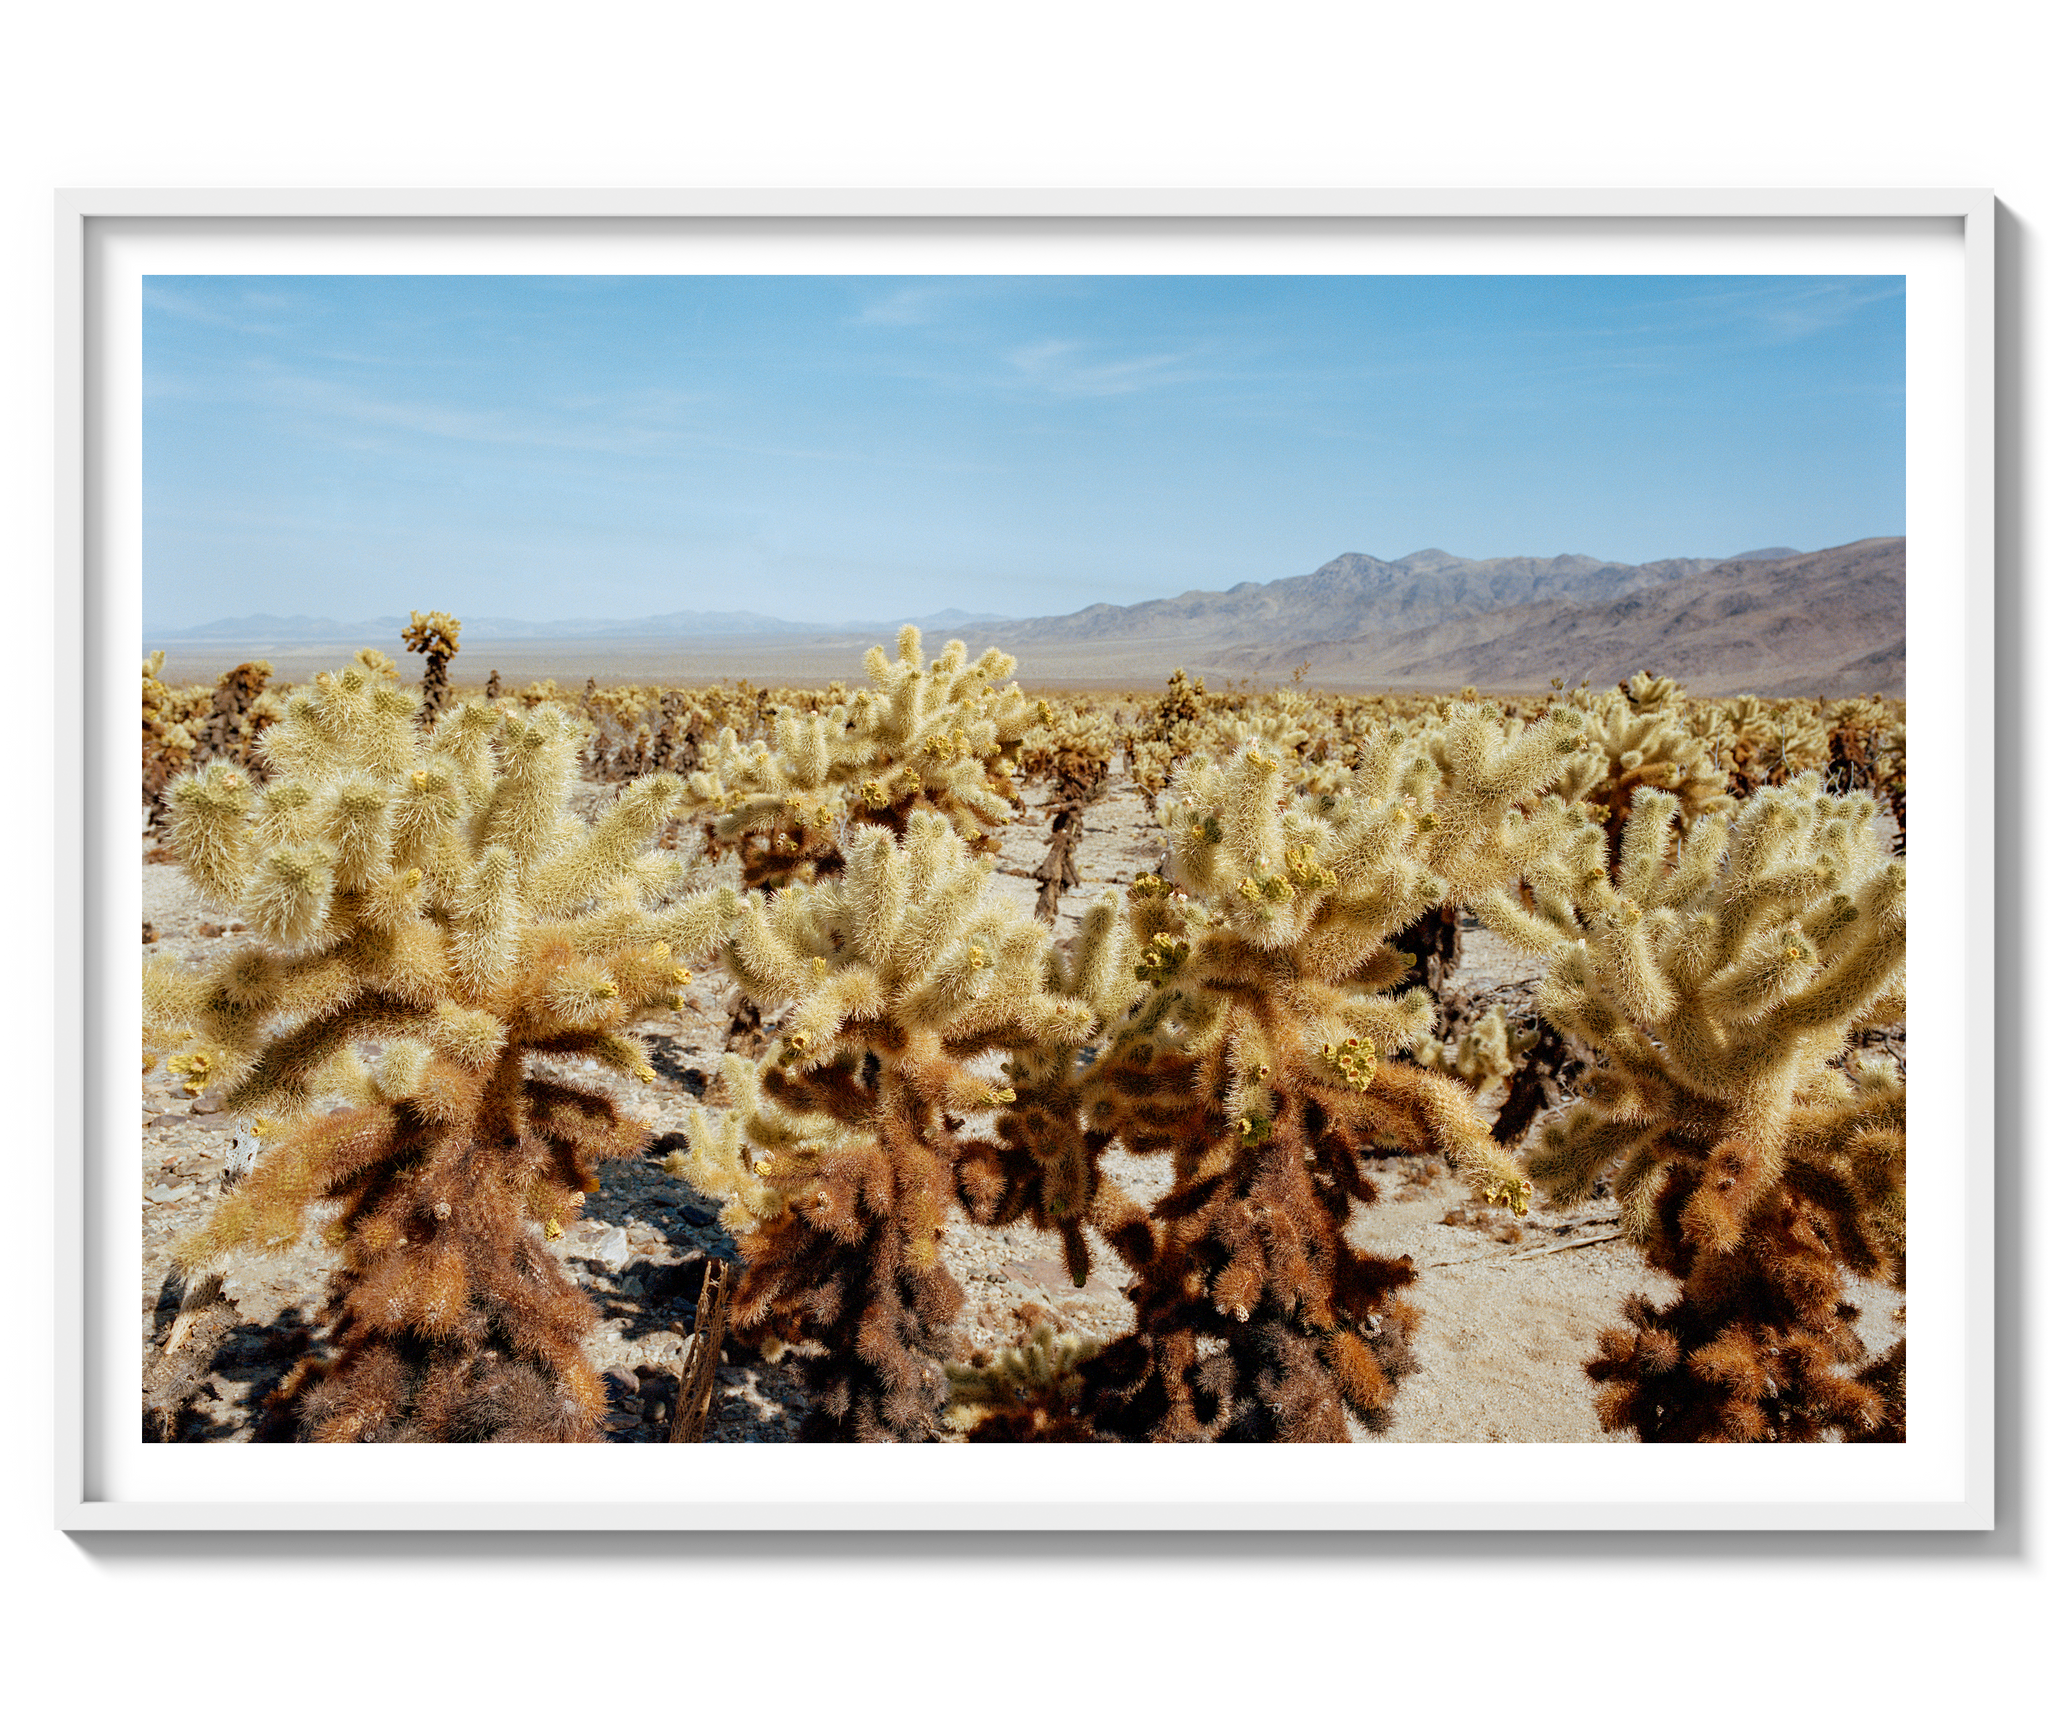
[[703, 428]]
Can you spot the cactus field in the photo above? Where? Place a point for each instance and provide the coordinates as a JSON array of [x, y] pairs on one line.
[[1171, 1063]]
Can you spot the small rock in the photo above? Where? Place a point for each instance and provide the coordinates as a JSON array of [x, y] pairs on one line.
[[206, 1104], [696, 1217], [211, 930], [148, 931], [164, 1194], [237, 928], [625, 1382], [612, 1250]]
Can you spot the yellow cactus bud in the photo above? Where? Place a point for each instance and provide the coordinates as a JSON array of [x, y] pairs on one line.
[[197, 1067]]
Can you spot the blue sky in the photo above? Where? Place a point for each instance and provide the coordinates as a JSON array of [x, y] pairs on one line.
[[840, 448]]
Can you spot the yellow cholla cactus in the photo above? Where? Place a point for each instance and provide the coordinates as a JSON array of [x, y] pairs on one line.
[[428, 891]]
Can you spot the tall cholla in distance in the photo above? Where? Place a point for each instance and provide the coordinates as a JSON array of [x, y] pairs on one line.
[[426, 890], [1267, 1059], [436, 636], [942, 737], [836, 1159], [1717, 984]]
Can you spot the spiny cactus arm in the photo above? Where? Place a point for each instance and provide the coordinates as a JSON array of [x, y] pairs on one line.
[[286, 813], [775, 946], [1485, 768], [434, 632], [804, 743], [607, 853], [1453, 1124], [577, 1125], [223, 1012], [1575, 1150], [760, 1154], [461, 745], [1575, 998], [1645, 859], [1538, 932], [536, 756], [1098, 969], [353, 821], [209, 831], [926, 897], [301, 1164], [487, 923], [1862, 973], [1386, 1025], [173, 996], [1484, 1058], [289, 896], [1849, 1157], [285, 1076], [699, 923]]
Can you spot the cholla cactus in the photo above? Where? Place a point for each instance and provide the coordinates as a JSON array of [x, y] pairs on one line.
[[940, 738], [426, 893], [1024, 1395], [167, 742], [1045, 1164], [1485, 1057], [1179, 711], [1716, 988], [1267, 1060], [905, 972], [1637, 738], [240, 711], [1069, 748], [434, 635]]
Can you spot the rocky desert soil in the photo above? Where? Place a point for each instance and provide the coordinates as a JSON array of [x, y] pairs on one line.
[[1510, 1309]]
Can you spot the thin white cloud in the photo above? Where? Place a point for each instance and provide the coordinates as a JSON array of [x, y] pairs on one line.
[[1063, 368], [908, 307], [171, 302], [1778, 312], [642, 423]]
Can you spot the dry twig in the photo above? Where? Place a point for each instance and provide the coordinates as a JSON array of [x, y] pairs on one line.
[[699, 1370]]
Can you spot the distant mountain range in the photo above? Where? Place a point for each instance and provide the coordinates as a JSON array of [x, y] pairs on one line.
[[1356, 596], [1831, 622]]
